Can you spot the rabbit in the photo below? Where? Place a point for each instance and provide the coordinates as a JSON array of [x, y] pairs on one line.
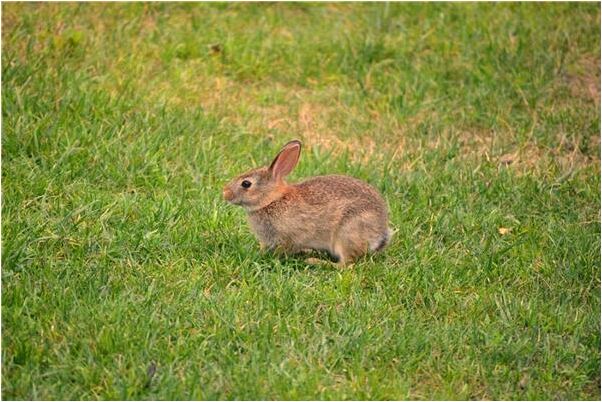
[[338, 214]]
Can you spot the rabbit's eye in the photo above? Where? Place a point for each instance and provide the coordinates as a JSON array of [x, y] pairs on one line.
[[246, 183]]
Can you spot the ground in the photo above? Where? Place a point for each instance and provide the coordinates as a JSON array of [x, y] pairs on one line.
[[125, 275]]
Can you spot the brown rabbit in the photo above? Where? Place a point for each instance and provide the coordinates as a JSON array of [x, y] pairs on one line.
[[338, 214]]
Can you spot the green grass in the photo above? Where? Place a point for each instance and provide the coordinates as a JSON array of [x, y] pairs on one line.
[[120, 126]]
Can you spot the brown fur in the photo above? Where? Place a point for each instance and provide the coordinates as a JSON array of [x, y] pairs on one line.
[[338, 214]]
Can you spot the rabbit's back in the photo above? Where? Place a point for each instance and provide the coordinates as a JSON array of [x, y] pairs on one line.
[[323, 190]]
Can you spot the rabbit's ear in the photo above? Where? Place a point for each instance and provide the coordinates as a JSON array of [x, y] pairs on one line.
[[286, 160]]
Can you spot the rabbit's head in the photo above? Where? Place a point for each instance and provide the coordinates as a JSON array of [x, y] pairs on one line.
[[259, 187]]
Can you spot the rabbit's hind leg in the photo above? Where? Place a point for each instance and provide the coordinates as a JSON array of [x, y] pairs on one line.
[[348, 249], [329, 258], [356, 238]]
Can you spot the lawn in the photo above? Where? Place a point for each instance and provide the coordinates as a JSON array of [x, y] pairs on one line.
[[126, 276]]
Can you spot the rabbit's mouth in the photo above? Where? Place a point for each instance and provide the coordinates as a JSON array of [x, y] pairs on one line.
[[230, 197], [228, 194]]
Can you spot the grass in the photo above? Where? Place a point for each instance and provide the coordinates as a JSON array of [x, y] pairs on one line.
[[125, 276]]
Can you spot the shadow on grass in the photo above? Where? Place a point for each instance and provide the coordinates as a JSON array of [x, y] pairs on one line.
[[294, 262], [271, 261]]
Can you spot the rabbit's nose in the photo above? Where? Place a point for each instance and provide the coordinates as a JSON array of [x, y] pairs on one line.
[[228, 194]]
